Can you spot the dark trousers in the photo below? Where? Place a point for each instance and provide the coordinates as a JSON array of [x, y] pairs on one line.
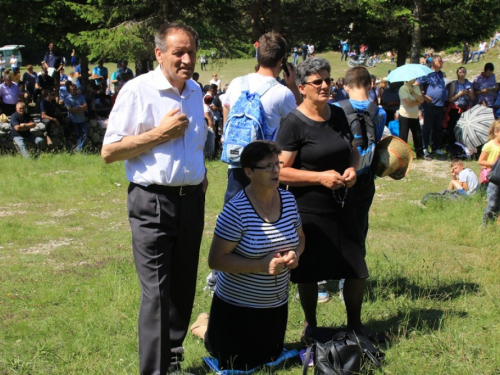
[[433, 122], [465, 57], [452, 123], [166, 236], [364, 191], [407, 124]]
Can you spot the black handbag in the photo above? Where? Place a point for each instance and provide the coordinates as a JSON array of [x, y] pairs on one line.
[[494, 175], [345, 354]]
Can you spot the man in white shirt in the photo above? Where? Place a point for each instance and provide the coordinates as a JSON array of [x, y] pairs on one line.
[[483, 48], [13, 62], [277, 102], [157, 126], [215, 81]]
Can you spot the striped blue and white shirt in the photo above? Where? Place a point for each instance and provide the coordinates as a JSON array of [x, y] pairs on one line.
[[239, 222]]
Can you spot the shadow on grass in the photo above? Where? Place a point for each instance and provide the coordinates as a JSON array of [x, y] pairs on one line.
[[407, 323], [385, 288]]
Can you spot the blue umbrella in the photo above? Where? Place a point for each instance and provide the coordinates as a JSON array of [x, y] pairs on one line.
[[408, 72]]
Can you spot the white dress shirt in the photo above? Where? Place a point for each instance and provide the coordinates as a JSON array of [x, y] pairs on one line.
[[141, 105]]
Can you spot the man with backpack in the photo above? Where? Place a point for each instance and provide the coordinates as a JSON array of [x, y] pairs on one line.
[[367, 122], [277, 100], [257, 95]]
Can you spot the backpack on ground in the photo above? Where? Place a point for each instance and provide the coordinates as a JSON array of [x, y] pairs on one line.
[[362, 126], [245, 123], [340, 352]]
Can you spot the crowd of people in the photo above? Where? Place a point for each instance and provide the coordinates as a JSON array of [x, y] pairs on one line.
[[57, 100], [165, 124]]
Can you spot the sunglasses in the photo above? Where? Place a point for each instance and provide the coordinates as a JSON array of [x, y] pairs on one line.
[[319, 81]]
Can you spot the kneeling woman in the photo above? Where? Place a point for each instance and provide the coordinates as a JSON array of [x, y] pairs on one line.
[[258, 239]]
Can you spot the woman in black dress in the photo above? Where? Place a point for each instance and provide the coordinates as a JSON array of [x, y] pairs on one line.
[[320, 168]]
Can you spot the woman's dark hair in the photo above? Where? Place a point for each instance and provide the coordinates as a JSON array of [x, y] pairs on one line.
[[257, 151], [310, 66], [461, 69]]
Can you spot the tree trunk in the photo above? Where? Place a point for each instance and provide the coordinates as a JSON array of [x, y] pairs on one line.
[[255, 11], [276, 15], [416, 39], [142, 66], [84, 79], [402, 45]]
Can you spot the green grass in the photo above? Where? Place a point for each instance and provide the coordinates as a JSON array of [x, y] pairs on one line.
[[69, 293]]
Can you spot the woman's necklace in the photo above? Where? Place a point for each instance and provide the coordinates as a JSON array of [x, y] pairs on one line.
[[256, 200]]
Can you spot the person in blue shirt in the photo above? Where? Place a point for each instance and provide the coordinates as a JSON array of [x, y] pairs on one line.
[[100, 73], [338, 91], [358, 84], [76, 105], [345, 49], [434, 93]]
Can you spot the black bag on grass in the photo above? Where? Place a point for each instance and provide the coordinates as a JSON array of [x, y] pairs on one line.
[[344, 354]]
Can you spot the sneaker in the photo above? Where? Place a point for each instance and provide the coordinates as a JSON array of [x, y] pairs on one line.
[[323, 295], [426, 152], [439, 152]]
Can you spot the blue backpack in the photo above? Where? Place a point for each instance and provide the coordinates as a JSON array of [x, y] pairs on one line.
[[245, 123]]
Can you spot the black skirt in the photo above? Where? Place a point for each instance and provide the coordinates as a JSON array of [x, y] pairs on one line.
[[242, 338], [333, 248]]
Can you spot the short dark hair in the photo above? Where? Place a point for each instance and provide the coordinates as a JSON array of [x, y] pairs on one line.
[[271, 50], [213, 86], [489, 66], [257, 151], [436, 58], [358, 77], [167, 28], [310, 66], [196, 75]]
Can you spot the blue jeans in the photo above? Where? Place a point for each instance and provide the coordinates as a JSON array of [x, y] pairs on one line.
[[81, 131], [21, 144], [295, 59], [493, 206], [344, 53], [478, 53], [433, 122]]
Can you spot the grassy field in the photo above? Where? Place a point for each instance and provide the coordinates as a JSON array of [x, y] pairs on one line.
[[69, 294]]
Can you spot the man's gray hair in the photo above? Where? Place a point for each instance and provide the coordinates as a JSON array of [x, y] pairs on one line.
[[310, 66], [167, 28]]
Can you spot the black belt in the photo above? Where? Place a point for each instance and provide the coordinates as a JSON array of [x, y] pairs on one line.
[[163, 189]]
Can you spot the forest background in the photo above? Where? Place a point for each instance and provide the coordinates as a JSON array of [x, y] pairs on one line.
[[114, 30]]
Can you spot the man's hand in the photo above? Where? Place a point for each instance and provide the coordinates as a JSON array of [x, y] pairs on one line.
[[173, 124]]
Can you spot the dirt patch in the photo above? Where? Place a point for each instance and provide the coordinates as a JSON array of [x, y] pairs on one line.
[[46, 248], [55, 173], [63, 213], [5, 213]]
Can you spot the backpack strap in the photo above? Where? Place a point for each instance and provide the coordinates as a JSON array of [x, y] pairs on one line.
[[261, 90]]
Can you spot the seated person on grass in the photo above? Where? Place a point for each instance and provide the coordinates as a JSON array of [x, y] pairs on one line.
[[464, 180], [463, 184]]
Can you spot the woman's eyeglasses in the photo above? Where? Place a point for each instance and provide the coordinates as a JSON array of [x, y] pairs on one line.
[[271, 167], [319, 81]]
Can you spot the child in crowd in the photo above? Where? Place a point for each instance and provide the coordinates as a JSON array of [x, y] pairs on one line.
[[489, 154], [463, 184], [464, 180]]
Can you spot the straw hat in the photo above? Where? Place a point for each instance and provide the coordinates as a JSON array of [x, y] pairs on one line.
[[394, 158]]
